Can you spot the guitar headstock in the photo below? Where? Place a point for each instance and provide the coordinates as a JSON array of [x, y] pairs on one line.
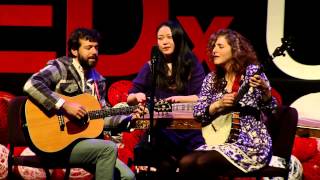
[[163, 106], [286, 44]]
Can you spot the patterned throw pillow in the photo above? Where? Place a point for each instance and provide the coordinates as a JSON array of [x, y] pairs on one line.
[[3, 161], [30, 173]]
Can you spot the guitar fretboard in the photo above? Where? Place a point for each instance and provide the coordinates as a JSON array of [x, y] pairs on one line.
[[97, 114], [244, 88], [242, 91]]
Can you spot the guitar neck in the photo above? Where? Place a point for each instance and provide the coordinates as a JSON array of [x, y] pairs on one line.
[[97, 114], [242, 91], [244, 88]]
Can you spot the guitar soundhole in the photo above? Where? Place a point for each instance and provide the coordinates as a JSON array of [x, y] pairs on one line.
[[74, 127]]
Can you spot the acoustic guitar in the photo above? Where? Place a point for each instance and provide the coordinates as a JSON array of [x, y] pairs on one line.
[[51, 133]]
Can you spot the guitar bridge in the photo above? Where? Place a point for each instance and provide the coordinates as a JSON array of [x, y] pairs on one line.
[[61, 122], [215, 130]]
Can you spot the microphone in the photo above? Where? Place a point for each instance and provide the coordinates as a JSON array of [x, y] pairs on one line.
[[154, 58], [155, 53]]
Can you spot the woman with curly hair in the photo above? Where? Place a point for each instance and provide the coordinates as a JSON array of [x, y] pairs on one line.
[[249, 147]]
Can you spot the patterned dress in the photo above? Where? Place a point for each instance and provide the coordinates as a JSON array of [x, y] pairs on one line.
[[253, 147]]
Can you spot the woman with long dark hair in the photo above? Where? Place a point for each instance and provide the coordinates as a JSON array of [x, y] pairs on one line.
[[179, 76]]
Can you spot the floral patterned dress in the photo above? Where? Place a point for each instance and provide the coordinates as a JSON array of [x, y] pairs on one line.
[[252, 148]]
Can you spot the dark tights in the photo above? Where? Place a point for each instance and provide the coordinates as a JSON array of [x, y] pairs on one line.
[[166, 168], [204, 164]]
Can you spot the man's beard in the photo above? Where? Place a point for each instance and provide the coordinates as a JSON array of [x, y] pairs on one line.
[[86, 64]]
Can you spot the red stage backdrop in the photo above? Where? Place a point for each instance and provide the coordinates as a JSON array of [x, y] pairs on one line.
[[34, 31]]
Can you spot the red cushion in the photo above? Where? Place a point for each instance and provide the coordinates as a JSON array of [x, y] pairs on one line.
[[3, 121], [5, 97], [304, 148], [118, 91], [311, 170]]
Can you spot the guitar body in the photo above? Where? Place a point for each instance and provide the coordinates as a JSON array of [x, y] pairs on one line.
[[46, 133], [218, 131]]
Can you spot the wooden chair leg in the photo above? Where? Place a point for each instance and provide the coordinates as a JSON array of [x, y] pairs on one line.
[[67, 174], [10, 171], [10, 163], [48, 175]]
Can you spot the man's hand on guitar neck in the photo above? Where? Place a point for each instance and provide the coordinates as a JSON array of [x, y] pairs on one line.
[[126, 123], [226, 101], [74, 109], [139, 111]]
